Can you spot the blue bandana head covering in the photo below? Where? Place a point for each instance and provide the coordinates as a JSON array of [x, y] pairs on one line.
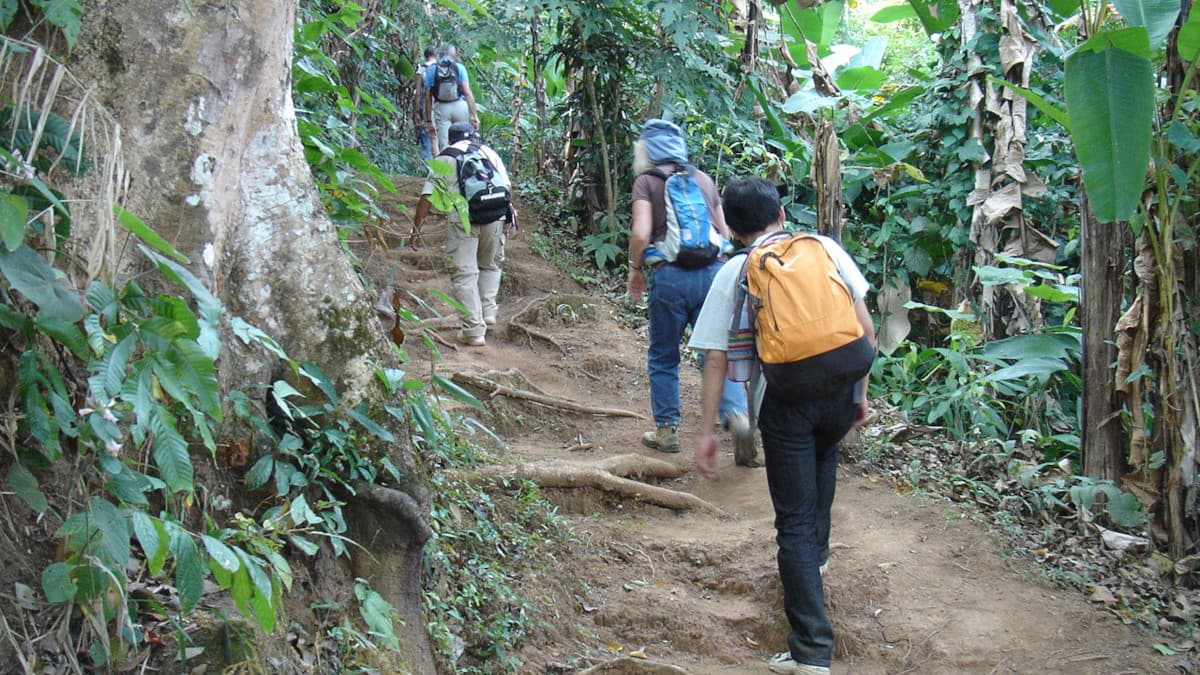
[[664, 142]]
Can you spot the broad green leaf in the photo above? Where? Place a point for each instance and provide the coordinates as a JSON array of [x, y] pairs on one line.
[[241, 589], [25, 484], [378, 614], [209, 306], [281, 568], [189, 575], [1156, 16], [33, 277], [249, 333], [419, 408], [1110, 102], [1134, 40], [1054, 292], [64, 332], [359, 415], [303, 544], [91, 582], [894, 13], [1039, 367], [1064, 8], [456, 392], [113, 367], [1187, 41], [1052, 111], [318, 377], [260, 473], [110, 532], [57, 584], [1049, 346], [219, 552], [863, 78], [13, 212], [808, 101], [142, 231], [128, 485], [264, 591], [302, 514], [936, 15], [441, 167], [1182, 137], [899, 150], [152, 537], [64, 15], [171, 452], [8, 9], [1125, 510]]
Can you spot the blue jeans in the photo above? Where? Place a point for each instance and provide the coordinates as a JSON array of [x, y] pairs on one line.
[[675, 297], [425, 140], [800, 445]]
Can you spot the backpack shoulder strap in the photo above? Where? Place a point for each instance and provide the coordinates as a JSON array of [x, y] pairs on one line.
[[656, 172]]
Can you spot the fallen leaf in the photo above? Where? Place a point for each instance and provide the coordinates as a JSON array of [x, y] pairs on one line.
[[25, 596], [751, 642], [638, 653], [613, 647]]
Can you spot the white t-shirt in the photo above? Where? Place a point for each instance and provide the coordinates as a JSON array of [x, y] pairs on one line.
[[712, 326]]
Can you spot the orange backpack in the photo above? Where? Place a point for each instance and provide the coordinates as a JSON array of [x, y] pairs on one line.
[[807, 335]]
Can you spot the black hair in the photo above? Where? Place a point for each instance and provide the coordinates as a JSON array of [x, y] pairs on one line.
[[430, 52], [750, 205]]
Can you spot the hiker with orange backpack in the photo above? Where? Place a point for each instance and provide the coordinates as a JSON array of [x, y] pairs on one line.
[[789, 312]]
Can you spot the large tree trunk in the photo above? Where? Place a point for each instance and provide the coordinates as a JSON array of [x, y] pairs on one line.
[[203, 92]]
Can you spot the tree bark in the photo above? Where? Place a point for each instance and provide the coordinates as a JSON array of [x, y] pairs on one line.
[[203, 92], [1103, 269]]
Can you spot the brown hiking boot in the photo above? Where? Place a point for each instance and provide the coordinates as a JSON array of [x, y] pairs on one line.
[[663, 440]]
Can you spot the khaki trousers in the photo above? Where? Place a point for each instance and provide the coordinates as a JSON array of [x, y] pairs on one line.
[[475, 260]]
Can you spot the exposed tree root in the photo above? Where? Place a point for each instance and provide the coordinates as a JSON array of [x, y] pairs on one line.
[[614, 475], [627, 664], [517, 323], [495, 389]]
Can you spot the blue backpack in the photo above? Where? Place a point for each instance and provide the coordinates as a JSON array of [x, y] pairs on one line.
[[691, 242]]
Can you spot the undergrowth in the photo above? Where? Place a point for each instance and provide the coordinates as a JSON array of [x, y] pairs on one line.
[[486, 535]]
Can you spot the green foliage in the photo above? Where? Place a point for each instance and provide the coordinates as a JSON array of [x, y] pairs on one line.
[[65, 15], [1109, 89], [483, 542], [329, 111]]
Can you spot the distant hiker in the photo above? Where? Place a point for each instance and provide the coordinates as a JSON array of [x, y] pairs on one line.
[[449, 95], [421, 106], [477, 252], [674, 247], [804, 405]]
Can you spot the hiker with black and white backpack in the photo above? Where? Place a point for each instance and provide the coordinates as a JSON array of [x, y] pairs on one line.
[[676, 244], [475, 245], [449, 95], [789, 312]]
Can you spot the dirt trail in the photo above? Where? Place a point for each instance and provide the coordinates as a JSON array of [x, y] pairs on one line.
[[914, 586]]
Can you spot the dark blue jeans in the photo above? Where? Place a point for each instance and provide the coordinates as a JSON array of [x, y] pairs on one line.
[[800, 444], [675, 298]]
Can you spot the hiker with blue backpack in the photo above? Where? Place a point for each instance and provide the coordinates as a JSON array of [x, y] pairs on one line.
[[474, 241], [450, 98], [788, 313], [676, 244]]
